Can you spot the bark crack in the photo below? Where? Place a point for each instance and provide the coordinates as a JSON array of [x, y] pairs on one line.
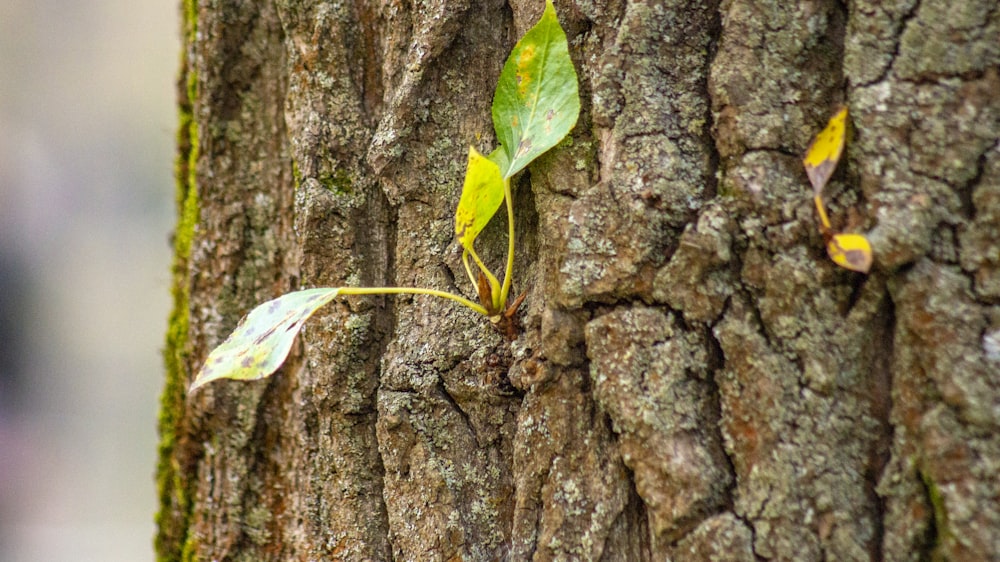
[[900, 30], [450, 399]]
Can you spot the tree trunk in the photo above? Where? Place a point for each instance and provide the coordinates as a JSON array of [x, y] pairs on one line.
[[695, 379]]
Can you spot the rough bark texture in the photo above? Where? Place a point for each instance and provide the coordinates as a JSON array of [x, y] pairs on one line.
[[695, 379]]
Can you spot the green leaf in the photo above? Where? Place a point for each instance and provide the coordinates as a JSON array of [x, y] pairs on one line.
[[482, 194], [500, 158], [262, 340], [537, 99]]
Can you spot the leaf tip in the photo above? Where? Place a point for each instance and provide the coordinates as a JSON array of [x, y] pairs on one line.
[[205, 376], [825, 150]]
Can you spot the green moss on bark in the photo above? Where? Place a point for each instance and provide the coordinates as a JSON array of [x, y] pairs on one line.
[[936, 498], [174, 504]]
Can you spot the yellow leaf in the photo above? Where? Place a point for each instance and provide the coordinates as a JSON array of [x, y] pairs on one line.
[[482, 194], [850, 251], [823, 154]]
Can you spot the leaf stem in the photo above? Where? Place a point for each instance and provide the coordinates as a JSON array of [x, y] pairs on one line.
[[494, 282], [468, 270], [412, 291], [508, 273], [822, 211]]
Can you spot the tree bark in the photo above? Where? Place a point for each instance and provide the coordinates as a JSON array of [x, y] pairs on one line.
[[695, 379]]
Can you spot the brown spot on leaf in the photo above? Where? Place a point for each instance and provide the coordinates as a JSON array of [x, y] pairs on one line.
[[260, 339], [523, 147]]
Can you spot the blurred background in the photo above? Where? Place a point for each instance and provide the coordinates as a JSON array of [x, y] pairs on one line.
[[87, 125]]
